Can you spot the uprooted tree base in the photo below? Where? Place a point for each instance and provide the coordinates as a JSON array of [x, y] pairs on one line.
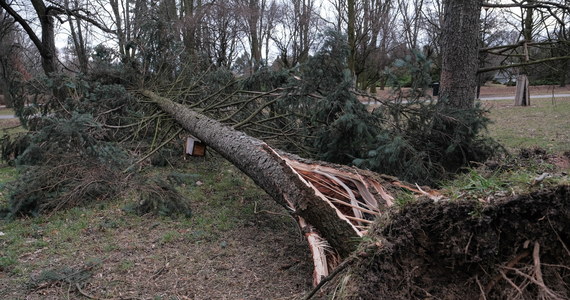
[[517, 248]]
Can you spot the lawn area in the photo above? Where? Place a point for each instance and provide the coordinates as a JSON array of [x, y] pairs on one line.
[[6, 112], [546, 124], [9, 126], [238, 244]]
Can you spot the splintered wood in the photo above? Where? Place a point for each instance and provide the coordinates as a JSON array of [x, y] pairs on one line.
[[358, 198], [350, 193]]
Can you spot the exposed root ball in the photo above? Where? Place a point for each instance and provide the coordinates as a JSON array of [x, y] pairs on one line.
[[516, 249]]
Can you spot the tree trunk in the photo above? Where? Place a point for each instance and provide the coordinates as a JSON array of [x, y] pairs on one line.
[[332, 201], [460, 47], [564, 73], [351, 31], [5, 96], [269, 170], [45, 45], [522, 97], [253, 17], [47, 50]]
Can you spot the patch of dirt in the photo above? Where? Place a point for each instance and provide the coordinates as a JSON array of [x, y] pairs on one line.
[[517, 248], [538, 155]]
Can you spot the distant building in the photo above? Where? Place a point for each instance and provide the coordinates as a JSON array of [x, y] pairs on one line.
[[504, 77]]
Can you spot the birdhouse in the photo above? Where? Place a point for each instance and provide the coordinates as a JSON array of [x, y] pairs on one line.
[[194, 147]]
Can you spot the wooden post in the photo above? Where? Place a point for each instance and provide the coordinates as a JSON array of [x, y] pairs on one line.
[[522, 97]]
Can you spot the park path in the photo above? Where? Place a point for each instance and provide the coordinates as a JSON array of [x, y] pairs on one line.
[[531, 97]]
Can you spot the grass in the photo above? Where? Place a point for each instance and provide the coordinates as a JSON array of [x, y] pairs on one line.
[[6, 112], [223, 202], [545, 124], [9, 126], [515, 174]]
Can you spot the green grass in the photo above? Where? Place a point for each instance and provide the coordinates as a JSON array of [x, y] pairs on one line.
[[519, 177], [223, 201], [545, 124], [7, 174], [6, 112]]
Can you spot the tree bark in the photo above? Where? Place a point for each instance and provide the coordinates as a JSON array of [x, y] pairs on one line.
[[254, 14], [522, 92], [459, 46], [269, 170], [351, 30], [48, 50], [333, 204], [522, 97], [45, 45]]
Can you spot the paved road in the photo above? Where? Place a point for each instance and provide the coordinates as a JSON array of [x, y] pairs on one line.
[[7, 117], [531, 97]]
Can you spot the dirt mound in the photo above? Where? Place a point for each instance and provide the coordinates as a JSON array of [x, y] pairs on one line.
[[517, 248]]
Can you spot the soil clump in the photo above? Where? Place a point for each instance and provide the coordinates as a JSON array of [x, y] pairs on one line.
[[515, 248]]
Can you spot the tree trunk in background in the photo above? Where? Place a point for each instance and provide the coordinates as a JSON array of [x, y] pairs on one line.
[[253, 17], [45, 45], [522, 93], [351, 30], [77, 36], [47, 49], [522, 97], [5, 96], [460, 47], [564, 73]]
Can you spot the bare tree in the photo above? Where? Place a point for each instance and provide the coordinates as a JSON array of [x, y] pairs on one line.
[[45, 44], [537, 23], [78, 31], [259, 17], [370, 37], [411, 20], [375, 41], [297, 30], [8, 57]]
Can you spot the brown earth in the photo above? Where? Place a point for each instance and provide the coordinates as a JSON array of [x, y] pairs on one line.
[[242, 245], [265, 259], [517, 248]]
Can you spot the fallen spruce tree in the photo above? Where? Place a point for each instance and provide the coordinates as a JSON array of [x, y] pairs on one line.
[[333, 204], [517, 248]]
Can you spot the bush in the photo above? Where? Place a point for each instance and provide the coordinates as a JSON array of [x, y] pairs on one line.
[[157, 196], [76, 151], [409, 135], [66, 164]]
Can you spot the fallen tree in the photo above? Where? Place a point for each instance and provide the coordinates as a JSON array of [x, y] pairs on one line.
[[333, 204]]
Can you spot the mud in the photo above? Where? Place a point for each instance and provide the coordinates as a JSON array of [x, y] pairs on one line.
[[516, 248]]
